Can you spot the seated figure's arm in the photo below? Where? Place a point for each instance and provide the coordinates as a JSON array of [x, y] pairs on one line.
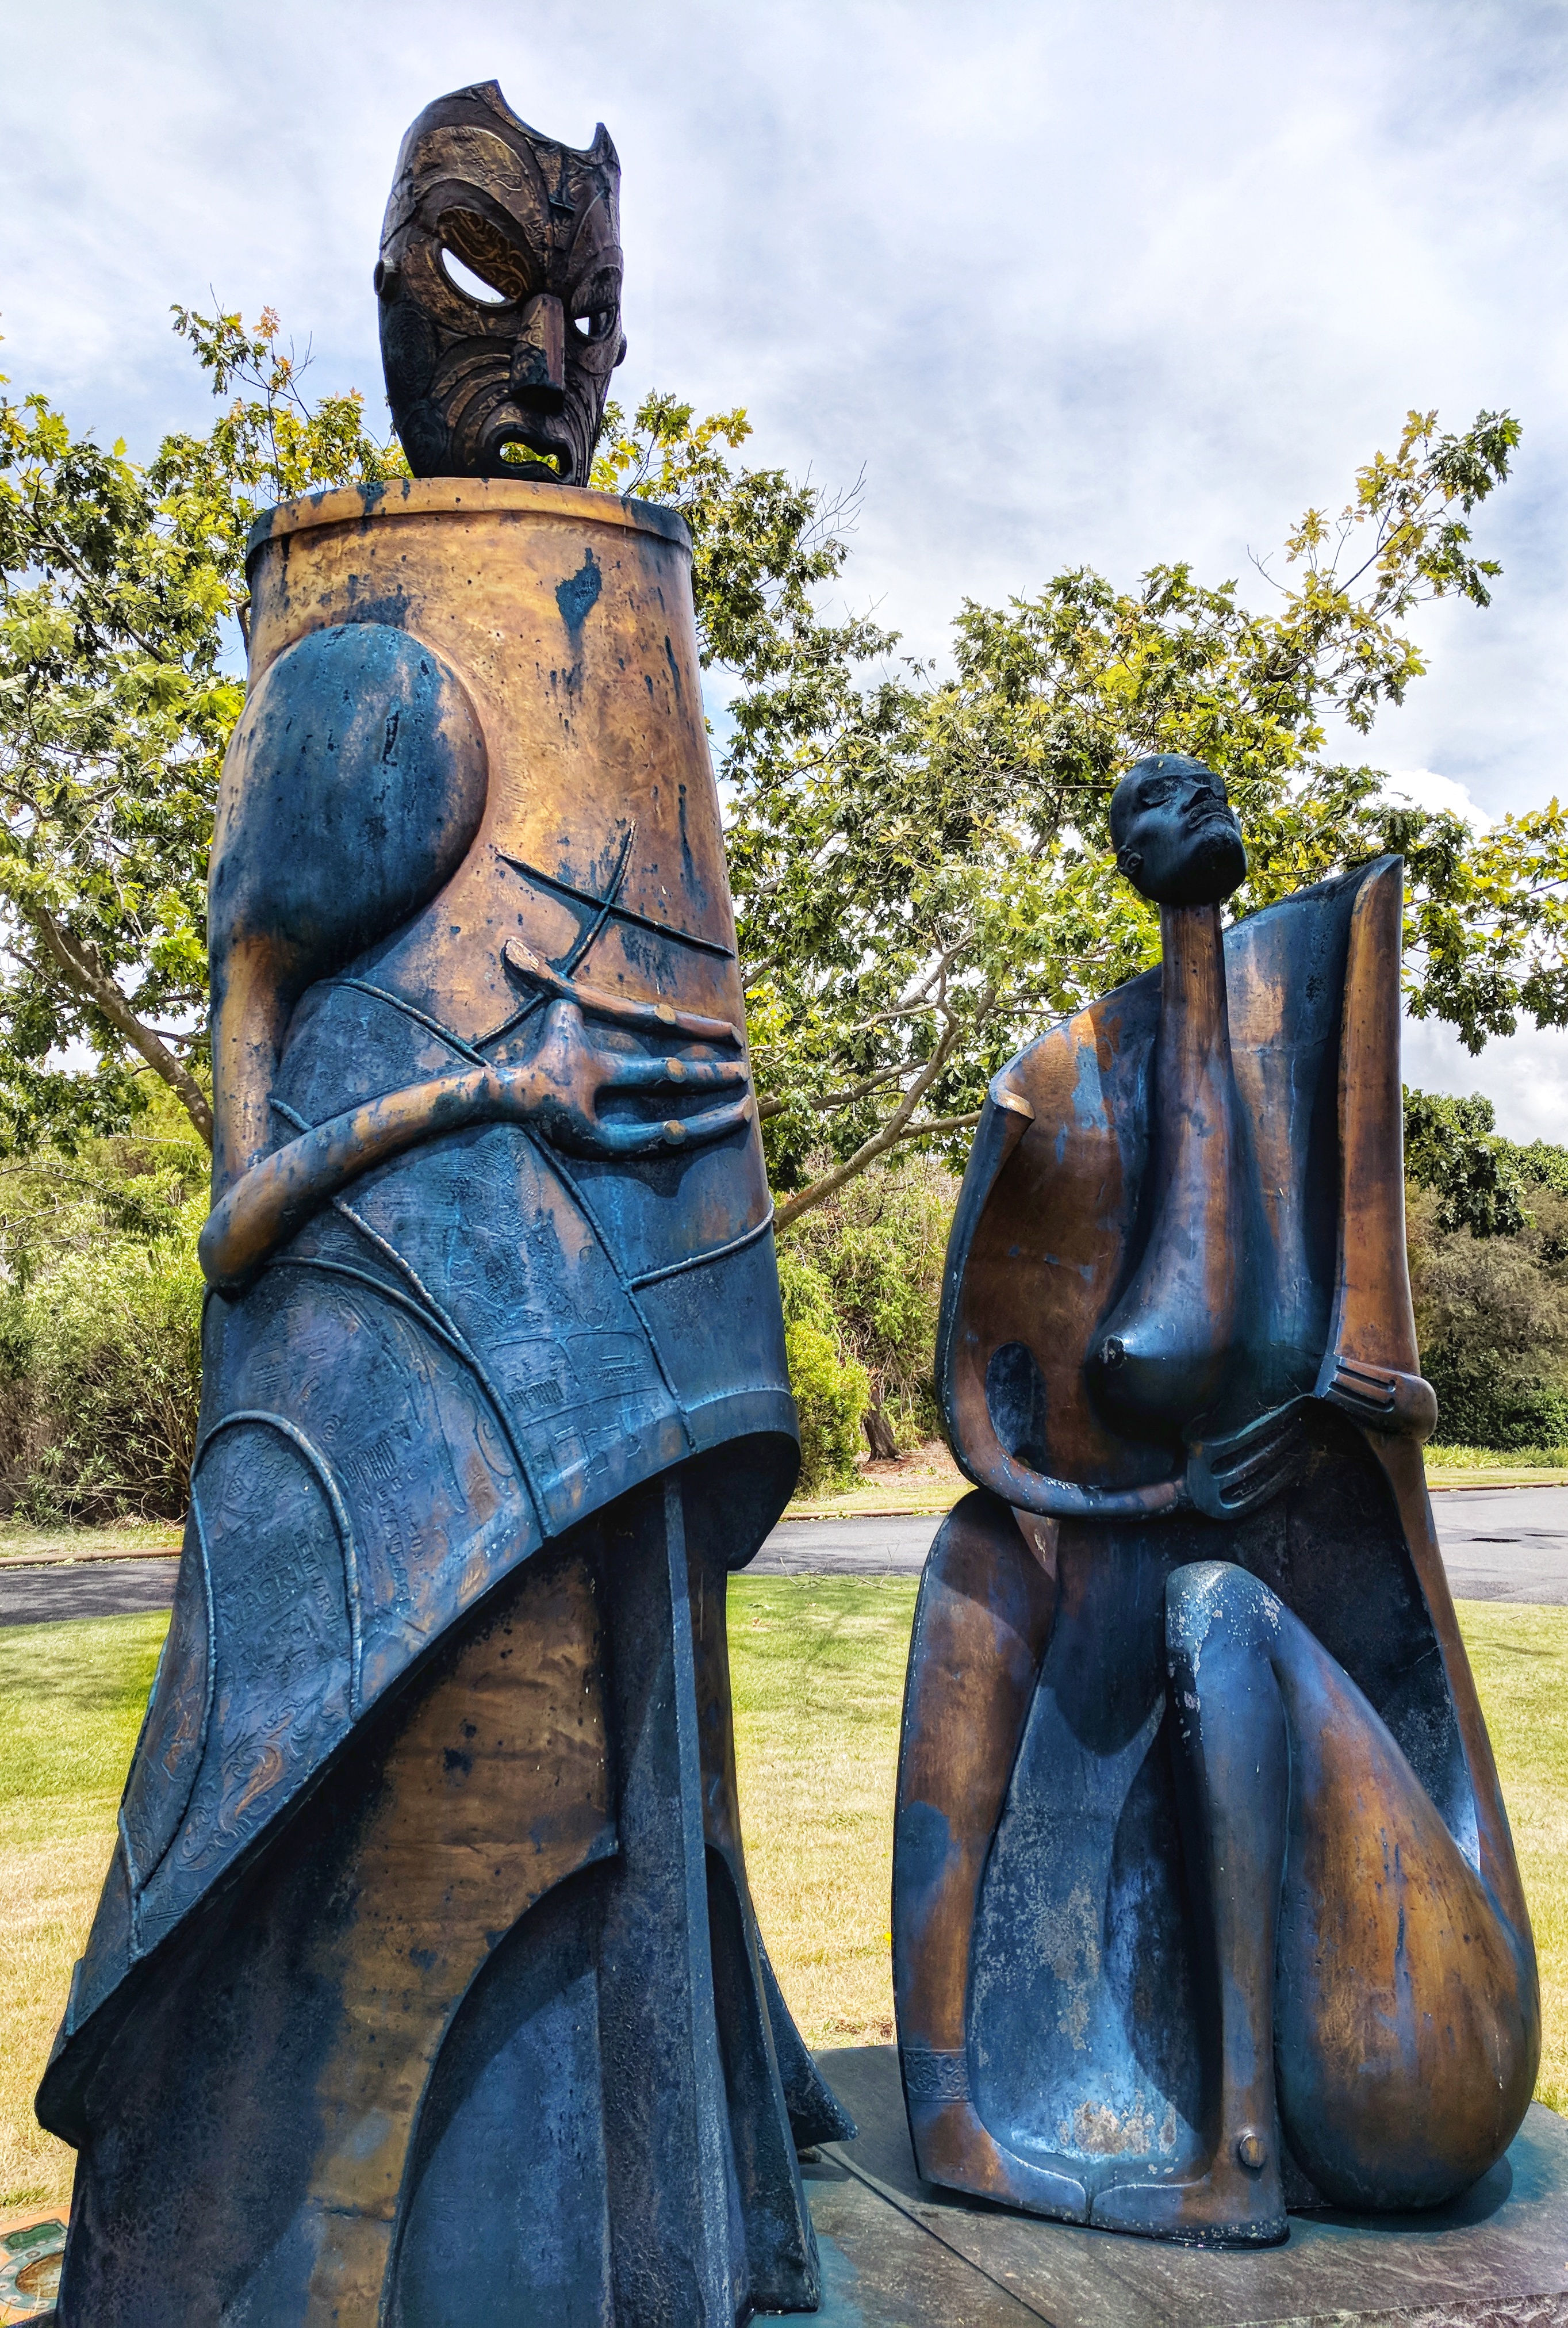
[[556, 1092]]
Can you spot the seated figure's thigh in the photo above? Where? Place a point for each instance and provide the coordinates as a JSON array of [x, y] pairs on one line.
[[1407, 2023]]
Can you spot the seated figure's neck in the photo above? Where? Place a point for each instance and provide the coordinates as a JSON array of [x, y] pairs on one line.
[[1194, 1021], [1163, 1349]]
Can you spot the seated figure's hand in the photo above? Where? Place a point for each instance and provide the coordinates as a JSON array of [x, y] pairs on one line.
[[1381, 1398]]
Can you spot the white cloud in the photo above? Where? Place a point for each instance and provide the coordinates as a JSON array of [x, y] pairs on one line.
[[1114, 284], [1525, 1076], [1425, 788], [1104, 284]]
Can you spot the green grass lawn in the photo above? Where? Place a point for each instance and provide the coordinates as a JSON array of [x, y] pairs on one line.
[[818, 1676], [72, 1696]]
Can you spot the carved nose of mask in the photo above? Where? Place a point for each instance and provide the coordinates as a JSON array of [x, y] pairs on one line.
[[538, 376]]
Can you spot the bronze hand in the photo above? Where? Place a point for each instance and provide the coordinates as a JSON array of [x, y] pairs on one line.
[[556, 1093]]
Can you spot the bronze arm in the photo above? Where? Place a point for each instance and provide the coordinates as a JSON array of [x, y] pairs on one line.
[[556, 1093]]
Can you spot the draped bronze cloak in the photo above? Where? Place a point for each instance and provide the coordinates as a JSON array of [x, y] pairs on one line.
[[478, 1445]]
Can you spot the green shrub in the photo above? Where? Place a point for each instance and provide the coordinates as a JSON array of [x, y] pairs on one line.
[[115, 1369], [100, 1308], [100, 1301], [831, 1392], [1481, 1406], [874, 1254], [1492, 1320], [1453, 1150], [806, 1294], [1448, 1457]]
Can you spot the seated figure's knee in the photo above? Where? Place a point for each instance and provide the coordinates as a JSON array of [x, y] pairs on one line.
[[1211, 1598]]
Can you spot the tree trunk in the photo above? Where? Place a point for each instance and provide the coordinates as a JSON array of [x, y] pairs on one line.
[[880, 1432]]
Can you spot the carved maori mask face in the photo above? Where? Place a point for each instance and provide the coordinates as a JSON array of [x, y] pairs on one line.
[[1176, 834], [500, 285]]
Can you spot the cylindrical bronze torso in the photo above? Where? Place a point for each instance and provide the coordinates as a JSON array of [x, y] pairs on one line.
[[475, 721], [568, 618], [485, 1340]]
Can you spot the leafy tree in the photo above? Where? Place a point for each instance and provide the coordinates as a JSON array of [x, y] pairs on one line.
[[1541, 1165], [831, 1388], [922, 869], [118, 584], [1481, 1181], [116, 700], [762, 543], [877, 1249], [1488, 1253], [919, 864], [1452, 1148], [1492, 1318], [101, 1316]]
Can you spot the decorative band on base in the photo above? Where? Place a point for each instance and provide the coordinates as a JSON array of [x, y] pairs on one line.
[[930, 2076]]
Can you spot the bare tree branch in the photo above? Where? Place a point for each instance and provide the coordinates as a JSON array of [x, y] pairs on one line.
[[896, 1128], [82, 972]]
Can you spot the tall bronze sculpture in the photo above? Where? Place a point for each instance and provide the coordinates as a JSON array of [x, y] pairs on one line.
[[1205, 1902], [425, 1988]]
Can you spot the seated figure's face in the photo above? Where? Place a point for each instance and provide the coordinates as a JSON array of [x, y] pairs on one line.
[[1176, 834]]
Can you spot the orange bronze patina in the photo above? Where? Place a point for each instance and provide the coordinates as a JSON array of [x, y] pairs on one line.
[[429, 1925], [1205, 1902]]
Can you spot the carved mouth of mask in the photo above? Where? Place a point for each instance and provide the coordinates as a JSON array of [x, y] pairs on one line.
[[492, 435], [533, 456]]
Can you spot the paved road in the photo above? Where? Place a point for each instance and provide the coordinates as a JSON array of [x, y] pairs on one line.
[[1505, 1544], [851, 1548], [94, 1587], [1499, 1544]]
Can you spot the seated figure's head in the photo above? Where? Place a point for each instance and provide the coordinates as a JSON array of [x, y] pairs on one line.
[[1175, 833]]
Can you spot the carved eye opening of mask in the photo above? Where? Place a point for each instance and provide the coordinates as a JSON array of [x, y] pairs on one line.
[[596, 308], [484, 253], [473, 286]]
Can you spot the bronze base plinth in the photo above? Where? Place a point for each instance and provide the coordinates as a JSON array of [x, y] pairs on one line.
[[897, 2252]]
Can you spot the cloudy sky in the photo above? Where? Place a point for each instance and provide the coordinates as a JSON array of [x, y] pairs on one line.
[[1111, 282]]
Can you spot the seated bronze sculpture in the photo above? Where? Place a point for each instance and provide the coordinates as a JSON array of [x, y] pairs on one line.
[[1204, 1902], [425, 1988]]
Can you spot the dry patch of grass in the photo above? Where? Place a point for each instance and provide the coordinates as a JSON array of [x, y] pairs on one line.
[[1533, 1460], [73, 1696], [1520, 1660], [819, 1681], [927, 1479], [818, 1664], [22, 1544]]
